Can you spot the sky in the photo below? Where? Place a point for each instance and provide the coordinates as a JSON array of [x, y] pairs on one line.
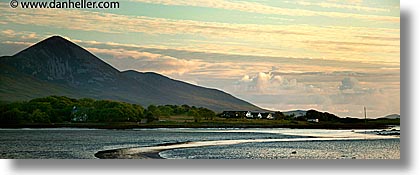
[[332, 55]]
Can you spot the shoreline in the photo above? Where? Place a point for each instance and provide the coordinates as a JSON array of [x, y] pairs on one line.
[[114, 154], [124, 153], [200, 125]]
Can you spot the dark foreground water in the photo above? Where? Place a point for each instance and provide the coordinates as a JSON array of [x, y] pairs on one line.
[[247, 144]]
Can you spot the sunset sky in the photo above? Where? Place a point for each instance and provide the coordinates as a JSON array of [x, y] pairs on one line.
[[331, 55]]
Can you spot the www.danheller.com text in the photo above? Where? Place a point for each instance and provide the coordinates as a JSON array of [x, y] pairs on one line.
[[65, 4]]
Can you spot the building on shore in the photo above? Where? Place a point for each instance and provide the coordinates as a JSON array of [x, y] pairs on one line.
[[248, 115]]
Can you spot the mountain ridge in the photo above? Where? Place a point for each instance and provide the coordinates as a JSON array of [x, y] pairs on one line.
[[56, 66], [391, 116]]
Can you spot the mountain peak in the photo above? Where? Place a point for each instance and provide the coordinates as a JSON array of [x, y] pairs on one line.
[[52, 45], [58, 59], [55, 38]]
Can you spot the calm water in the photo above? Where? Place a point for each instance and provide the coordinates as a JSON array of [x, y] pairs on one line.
[[84, 143]]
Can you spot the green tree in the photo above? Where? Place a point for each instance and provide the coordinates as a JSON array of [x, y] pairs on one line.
[[195, 114], [279, 115], [207, 114], [154, 110], [38, 116], [150, 117], [166, 110], [13, 116]]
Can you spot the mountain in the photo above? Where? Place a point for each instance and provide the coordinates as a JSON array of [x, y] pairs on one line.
[[392, 116], [56, 66]]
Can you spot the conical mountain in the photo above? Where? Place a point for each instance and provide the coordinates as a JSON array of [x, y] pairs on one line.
[[56, 66], [56, 59]]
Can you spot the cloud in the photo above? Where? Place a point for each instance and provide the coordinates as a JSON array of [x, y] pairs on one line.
[[265, 83], [30, 36], [349, 83], [255, 7], [17, 43], [226, 65], [8, 33], [350, 6], [246, 79], [146, 61], [343, 93], [381, 38], [110, 23], [355, 1], [25, 35], [295, 40]]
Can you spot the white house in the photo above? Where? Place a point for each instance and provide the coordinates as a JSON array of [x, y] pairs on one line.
[[248, 114], [313, 120], [270, 116]]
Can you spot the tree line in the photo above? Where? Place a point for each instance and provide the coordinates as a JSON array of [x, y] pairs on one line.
[[58, 109], [322, 116]]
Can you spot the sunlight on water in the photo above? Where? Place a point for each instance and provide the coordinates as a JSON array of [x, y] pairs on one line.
[[199, 143], [310, 136], [323, 136], [333, 149]]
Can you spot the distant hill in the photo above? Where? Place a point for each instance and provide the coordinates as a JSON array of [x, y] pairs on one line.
[[56, 66], [295, 113], [392, 116]]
